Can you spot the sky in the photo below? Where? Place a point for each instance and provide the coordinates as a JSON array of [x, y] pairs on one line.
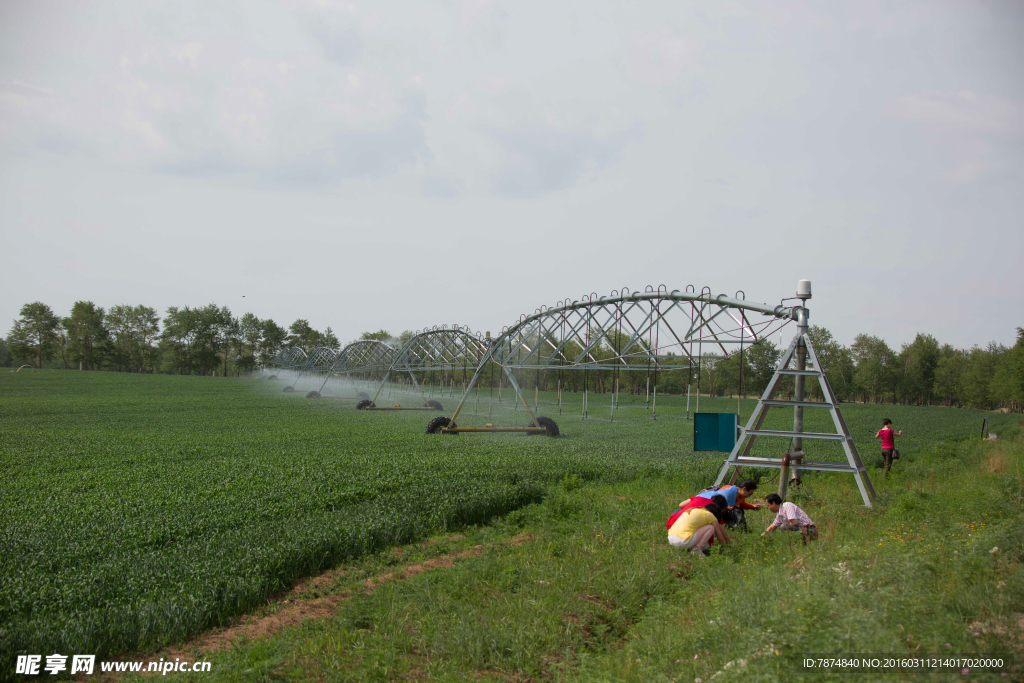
[[400, 165]]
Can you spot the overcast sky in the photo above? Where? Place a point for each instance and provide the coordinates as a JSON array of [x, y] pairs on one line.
[[400, 165]]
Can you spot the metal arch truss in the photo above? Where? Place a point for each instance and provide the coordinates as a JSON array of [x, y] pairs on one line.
[[320, 360], [288, 358], [630, 331], [365, 356], [442, 349]]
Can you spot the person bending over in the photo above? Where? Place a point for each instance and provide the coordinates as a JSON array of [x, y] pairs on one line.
[[789, 517], [888, 437], [696, 502], [695, 528], [736, 499]]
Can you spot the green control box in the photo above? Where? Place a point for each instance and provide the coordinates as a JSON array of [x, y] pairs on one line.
[[714, 432]]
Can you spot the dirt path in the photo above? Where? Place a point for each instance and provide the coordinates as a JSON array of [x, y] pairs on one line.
[[294, 608]]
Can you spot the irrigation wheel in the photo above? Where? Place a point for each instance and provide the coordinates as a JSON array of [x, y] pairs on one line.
[[548, 424], [313, 394], [272, 377], [365, 403], [434, 426], [362, 394], [288, 389], [435, 405]]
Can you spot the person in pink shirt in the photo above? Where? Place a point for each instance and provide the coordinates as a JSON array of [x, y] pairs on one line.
[[888, 437], [789, 517]]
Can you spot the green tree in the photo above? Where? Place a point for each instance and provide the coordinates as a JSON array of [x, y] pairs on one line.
[[86, 332], [876, 364], [918, 362], [979, 373], [230, 335], [132, 330], [331, 340], [762, 357], [6, 358], [836, 362], [274, 339], [1007, 387], [304, 336], [949, 375], [379, 335], [195, 337], [250, 334], [35, 334]]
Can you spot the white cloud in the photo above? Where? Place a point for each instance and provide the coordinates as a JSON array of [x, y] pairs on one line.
[[662, 56], [963, 126], [961, 111], [237, 103]]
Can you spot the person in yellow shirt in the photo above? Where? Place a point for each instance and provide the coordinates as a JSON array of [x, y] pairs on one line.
[[694, 529]]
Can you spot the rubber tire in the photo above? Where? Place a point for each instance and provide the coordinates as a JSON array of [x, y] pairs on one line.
[[365, 403], [313, 394], [435, 405], [548, 424], [272, 377], [288, 390], [434, 426], [362, 394]]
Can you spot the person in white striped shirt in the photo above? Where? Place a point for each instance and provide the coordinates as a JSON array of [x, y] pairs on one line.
[[789, 517]]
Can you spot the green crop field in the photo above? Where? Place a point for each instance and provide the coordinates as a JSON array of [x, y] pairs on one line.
[[136, 510]]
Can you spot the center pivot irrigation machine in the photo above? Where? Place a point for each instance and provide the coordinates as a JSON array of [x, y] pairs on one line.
[[361, 361], [653, 331], [287, 359], [440, 352], [317, 362]]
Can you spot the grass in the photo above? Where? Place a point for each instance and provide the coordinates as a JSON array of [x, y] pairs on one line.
[[138, 510], [596, 594]]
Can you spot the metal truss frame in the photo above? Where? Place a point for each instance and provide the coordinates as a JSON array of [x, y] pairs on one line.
[[319, 360], [630, 331], [289, 358], [365, 356], [361, 357], [800, 350], [439, 348]]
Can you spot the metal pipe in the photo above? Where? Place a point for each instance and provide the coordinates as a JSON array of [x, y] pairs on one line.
[[798, 385], [779, 311], [784, 477]]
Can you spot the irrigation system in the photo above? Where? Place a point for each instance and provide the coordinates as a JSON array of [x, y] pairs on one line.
[[616, 336], [318, 361], [440, 349], [359, 362]]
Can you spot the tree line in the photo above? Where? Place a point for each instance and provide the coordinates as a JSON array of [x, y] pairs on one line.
[[923, 372], [209, 340], [206, 340]]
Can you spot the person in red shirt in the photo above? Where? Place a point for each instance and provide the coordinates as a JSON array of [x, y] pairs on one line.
[[888, 436], [695, 502]]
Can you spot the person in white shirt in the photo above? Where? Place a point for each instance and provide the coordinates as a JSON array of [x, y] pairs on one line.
[[789, 517]]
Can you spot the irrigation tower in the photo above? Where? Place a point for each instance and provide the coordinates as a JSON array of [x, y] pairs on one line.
[[800, 350]]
